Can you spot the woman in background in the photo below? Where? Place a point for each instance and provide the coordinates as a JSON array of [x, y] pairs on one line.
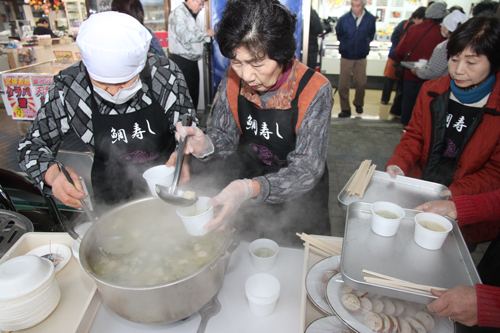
[[134, 9]]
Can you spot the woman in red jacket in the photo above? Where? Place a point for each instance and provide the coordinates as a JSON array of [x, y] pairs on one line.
[[478, 305], [453, 137]]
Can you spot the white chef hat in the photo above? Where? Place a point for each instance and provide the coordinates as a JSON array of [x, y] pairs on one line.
[[114, 46], [452, 20]]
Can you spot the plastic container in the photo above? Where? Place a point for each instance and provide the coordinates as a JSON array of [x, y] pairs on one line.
[[427, 238], [161, 175], [196, 216], [262, 291], [383, 225], [263, 252]]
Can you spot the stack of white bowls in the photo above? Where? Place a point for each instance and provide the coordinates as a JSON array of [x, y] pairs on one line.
[[28, 292]]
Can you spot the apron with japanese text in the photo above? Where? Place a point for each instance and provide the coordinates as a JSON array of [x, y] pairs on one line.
[[126, 145], [268, 136]]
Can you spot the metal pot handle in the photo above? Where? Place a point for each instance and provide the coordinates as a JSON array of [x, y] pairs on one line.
[[231, 246]]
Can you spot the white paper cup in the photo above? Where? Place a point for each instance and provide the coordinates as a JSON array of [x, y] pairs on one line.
[[161, 175], [423, 61], [263, 252], [383, 226], [196, 216], [262, 291], [430, 239]]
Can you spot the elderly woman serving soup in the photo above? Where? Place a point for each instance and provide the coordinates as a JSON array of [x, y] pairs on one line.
[[272, 116], [453, 137]]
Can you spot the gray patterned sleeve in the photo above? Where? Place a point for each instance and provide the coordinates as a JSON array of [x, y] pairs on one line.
[[437, 65], [37, 149]]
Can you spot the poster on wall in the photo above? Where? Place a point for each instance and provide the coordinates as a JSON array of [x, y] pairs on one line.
[[40, 87], [380, 14], [19, 96]]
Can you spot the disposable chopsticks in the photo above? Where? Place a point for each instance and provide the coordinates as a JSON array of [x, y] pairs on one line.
[[388, 281], [360, 181], [319, 246]]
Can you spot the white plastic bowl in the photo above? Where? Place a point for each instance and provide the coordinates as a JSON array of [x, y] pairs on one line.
[[21, 275], [259, 262], [383, 226], [161, 175], [196, 216], [262, 291], [430, 239]]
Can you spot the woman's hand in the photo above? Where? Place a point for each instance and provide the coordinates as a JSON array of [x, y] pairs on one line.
[[394, 170], [231, 199], [62, 189], [441, 207], [458, 304], [185, 176], [414, 71], [197, 143]]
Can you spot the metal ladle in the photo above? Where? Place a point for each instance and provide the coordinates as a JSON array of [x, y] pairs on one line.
[[109, 245], [172, 194]]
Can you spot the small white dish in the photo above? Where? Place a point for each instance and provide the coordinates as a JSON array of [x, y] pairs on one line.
[[317, 279], [60, 249], [330, 324]]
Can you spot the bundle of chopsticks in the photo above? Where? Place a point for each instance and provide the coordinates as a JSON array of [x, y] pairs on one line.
[[361, 179], [388, 281], [317, 245]]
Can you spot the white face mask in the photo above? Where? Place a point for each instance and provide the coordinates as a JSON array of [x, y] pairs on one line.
[[121, 96]]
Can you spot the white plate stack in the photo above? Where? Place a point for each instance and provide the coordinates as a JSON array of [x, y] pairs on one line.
[[28, 292]]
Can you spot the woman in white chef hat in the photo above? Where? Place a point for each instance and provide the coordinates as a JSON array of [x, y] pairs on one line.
[[121, 101]]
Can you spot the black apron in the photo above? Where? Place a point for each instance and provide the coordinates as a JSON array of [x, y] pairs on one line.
[[268, 136], [126, 145]]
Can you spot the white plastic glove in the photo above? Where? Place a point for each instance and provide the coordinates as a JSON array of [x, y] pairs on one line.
[[198, 143], [230, 199], [394, 170]]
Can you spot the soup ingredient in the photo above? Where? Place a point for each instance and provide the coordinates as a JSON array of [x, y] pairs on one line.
[[351, 302], [417, 326], [264, 252], [366, 304], [432, 226], [387, 214], [426, 319], [189, 195], [388, 325], [374, 321]]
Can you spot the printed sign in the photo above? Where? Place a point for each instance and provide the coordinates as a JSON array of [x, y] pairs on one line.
[[40, 87], [19, 96], [64, 57]]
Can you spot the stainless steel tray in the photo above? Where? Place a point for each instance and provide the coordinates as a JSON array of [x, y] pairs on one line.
[[400, 257], [404, 191]]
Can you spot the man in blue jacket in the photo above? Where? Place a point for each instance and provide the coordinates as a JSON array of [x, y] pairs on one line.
[[355, 30]]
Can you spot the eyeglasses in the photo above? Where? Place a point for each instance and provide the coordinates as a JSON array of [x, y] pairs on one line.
[[199, 3]]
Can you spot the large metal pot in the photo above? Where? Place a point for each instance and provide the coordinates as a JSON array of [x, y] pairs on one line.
[[157, 304]]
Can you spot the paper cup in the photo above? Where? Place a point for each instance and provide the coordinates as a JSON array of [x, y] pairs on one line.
[[262, 291], [196, 216], [431, 230], [263, 252], [386, 225], [161, 175]]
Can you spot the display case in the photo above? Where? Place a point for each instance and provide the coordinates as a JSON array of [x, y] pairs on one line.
[[375, 64], [76, 11], [154, 15]]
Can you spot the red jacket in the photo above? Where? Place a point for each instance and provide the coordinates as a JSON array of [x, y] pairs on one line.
[[424, 49], [474, 210], [478, 167]]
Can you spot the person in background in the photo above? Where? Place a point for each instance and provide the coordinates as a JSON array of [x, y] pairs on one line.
[[185, 37], [355, 30], [121, 101], [480, 304], [453, 137], [271, 118], [438, 63], [456, 7], [315, 29], [485, 7], [416, 17], [420, 40], [134, 8], [42, 28]]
